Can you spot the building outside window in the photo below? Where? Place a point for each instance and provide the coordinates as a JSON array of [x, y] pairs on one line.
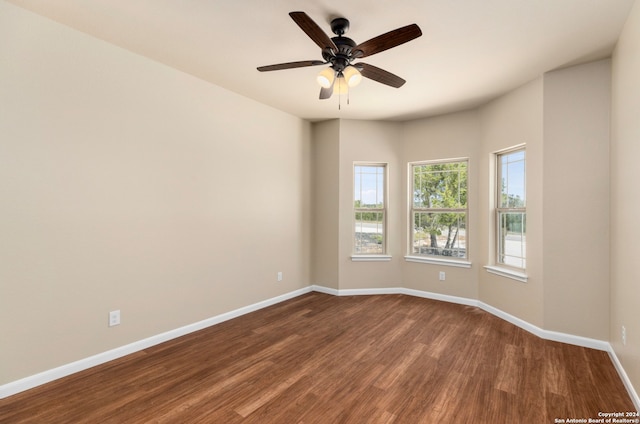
[[439, 209], [511, 213], [370, 205]]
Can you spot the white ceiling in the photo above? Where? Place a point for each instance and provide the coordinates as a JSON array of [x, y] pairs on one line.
[[470, 52]]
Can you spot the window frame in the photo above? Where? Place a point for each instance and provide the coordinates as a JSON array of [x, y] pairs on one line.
[[499, 210], [378, 256], [431, 258]]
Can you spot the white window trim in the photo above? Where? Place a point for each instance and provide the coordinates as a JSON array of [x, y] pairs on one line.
[[371, 258], [438, 261], [508, 273], [499, 268]]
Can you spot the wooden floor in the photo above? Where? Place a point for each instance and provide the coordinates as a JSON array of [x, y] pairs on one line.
[[325, 359]]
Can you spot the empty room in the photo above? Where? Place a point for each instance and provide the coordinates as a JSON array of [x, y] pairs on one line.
[[319, 212]]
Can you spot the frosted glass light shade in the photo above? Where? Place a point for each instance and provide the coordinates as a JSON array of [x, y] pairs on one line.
[[326, 77], [340, 86], [352, 75]]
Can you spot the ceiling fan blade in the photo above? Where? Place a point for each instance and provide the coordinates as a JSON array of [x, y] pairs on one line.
[[313, 30], [326, 93], [290, 65], [380, 75], [388, 40]]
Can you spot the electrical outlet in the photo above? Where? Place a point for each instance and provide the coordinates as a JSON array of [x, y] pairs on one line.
[[442, 276], [624, 335], [114, 318], [280, 276]]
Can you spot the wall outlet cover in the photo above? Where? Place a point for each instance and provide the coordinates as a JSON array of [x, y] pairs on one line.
[[114, 318]]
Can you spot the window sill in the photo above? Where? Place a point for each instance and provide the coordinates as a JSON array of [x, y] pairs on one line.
[[438, 261], [370, 258], [506, 272]]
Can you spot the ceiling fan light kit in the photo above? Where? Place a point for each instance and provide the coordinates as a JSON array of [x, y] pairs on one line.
[[339, 52], [352, 75], [340, 86], [326, 77]]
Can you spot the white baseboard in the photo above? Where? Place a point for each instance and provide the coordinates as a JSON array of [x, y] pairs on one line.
[[325, 290], [30, 382], [545, 334], [101, 358], [441, 297], [625, 378]]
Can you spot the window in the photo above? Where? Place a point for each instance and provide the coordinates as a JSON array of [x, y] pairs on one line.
[[511, 213], [438, 209], [369, 204]]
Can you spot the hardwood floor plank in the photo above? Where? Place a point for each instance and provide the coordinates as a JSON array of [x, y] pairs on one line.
[[556, 380], [349, 359], [509, 369], [220, 387], [401, 366]]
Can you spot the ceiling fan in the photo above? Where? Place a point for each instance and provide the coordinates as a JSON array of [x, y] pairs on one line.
[[339, 52]]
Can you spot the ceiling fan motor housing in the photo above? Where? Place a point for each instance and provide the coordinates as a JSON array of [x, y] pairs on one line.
[[343, 57]]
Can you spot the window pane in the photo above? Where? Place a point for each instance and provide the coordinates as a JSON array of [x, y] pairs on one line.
[[511, 216], [369, 233], [439, 233], [442, 185], [512, 177], [512, 239], [380, 187], [368, 186], [369, 203]]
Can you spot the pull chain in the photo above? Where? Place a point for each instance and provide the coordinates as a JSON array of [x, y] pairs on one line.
[[339, 94]]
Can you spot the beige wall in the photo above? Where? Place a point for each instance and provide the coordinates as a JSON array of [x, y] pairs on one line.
[[127, 185], [563, 118], [368, 141], [514, 119], [444, 137], [625, 202], [576, 200], [325, 209]]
